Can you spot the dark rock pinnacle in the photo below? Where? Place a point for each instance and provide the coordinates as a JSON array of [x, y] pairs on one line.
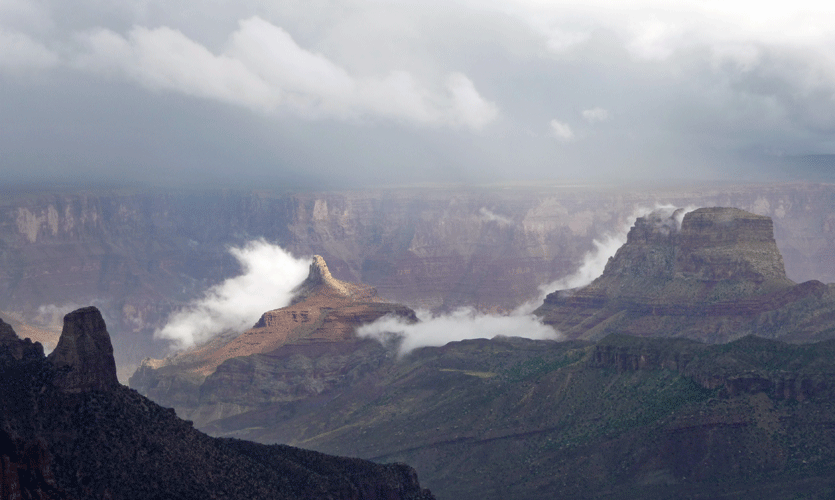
[[84, 353]]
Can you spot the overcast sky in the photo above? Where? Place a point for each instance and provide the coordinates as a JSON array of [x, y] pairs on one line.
[[350, 93]]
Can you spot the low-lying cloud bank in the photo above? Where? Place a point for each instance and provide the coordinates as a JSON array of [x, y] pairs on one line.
[[269, 275], [461, 324]]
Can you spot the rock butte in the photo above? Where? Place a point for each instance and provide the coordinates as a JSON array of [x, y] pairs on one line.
[[716, 278], [324, 309], [324, 312]]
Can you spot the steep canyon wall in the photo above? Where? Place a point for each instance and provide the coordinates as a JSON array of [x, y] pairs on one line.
[[140, 254]]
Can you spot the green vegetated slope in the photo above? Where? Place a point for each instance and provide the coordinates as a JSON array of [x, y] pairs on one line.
[[623, 418]]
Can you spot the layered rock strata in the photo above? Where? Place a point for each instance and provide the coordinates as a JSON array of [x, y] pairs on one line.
[[141, 254], [716, 276]]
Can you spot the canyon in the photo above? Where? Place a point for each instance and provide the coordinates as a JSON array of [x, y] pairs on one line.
[[600, 415], [141, 254]]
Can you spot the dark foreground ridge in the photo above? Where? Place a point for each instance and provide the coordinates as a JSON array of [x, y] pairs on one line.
[[69, 431]]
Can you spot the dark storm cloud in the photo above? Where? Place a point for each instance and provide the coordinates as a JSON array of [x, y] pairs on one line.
[[359, 92]]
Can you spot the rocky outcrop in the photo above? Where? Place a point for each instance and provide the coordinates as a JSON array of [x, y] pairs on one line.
[[235, 373], [84, 354], [749, 365], [715, 276], [57, 443]]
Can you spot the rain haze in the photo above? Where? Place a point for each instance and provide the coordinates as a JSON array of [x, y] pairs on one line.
[[346, 94]]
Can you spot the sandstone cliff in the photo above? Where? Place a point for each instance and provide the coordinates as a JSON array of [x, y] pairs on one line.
[[717, 277], [99, 440]]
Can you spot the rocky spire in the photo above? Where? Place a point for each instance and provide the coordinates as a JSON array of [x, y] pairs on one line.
[[84, 353], [320, 281]]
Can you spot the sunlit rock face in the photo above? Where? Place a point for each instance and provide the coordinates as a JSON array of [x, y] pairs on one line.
[[717, 277], [290, 353]]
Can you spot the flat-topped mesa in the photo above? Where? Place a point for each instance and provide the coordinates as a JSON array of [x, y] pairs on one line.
[[84, 353], [320, 282], [715, 276], [729, 243], [724, 250]]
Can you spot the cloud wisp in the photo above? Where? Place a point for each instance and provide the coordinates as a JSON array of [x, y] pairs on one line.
[[268, 276], [461, 324], [562, 131], [264, 69], [490, 216], [595, 260]]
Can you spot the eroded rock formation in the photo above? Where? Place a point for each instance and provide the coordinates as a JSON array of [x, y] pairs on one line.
[[141, 254], [291, 352], [716, 276]]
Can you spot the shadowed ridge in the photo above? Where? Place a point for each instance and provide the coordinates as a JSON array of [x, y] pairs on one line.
[[88, 444], [84, 353], [14, 346]]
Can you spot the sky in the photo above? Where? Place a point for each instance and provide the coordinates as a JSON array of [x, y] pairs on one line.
[[331, 94]]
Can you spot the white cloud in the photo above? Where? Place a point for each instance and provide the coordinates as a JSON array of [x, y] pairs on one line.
[[166, 59], [562, 131], [654, 38], [469, 108], [269, 275], [490, 216], [263, 68], [595, 115], [462, 324], [19, 51]]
